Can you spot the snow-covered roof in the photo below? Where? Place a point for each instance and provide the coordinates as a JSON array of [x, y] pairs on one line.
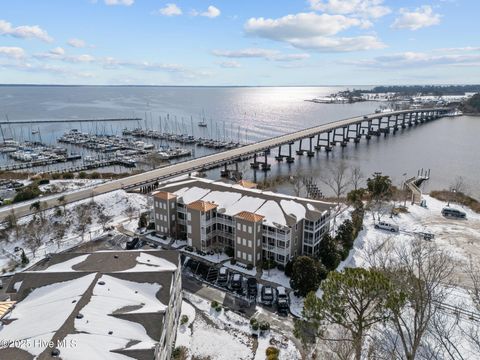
[[101, 302], [278, 209]]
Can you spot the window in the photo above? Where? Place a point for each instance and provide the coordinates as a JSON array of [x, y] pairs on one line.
[[239, 240], [244, 241], [258, 256], [244, 228], [156, 203], [239, 254], [172, 205], [249, 229], [173, 217], [258, 242], [249, 257], [189, 229], [249, 243], [158, 227], [157, 216], [244, 256], [239, 226], [189, 216], [181, 216]]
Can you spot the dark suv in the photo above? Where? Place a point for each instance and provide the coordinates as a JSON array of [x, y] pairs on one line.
[[252, 287]]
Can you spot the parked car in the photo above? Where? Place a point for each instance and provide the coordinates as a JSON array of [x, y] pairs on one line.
[[426, 236], [1, 284], [267, 295], [283, 304], [133, 244], [252, 286], [237, 282], [386, 226], [451, 212], [222, 278]]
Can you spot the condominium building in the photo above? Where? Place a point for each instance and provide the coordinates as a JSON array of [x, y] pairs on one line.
[[255, 224], [101, 305]]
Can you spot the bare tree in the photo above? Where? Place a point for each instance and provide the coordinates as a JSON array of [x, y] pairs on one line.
[[37, 233], [84, 218], [154, 159], [337, 181], [130, 212], [356, 176], [421, 271], [458, 186], [298, 183], [103, 218], [63, 202]]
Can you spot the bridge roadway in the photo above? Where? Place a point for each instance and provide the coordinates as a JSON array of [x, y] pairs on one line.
[[217, 159]]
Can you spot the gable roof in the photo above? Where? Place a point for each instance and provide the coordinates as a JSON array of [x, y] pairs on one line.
[[164, 195]]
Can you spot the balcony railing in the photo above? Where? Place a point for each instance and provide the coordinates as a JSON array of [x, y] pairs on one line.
[[275, 249]]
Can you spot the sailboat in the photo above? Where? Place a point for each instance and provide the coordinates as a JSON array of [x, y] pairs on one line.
[[202, 123]]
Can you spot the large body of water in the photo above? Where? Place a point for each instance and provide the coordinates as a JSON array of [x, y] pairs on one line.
[[449, 146]]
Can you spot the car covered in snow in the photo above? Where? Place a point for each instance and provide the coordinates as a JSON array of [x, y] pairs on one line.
[[451, 212], [222, 277], [386, 226], [267, 295], [236, 283]]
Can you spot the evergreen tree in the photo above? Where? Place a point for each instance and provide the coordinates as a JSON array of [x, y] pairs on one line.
[[329, 252], [355, 299], [305, 277], [24, 258]]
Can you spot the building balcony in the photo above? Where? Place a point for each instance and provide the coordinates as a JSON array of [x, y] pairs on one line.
[[275, 249]]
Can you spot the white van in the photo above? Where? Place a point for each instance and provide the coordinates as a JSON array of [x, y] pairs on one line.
[[386, 226]]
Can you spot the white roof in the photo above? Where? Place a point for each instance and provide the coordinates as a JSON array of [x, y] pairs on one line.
[[43, 312], [273, 213]]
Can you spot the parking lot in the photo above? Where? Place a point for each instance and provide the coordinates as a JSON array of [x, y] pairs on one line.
[[247, 290]]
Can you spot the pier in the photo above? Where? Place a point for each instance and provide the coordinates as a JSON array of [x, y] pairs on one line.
[[357, 127], [31, 122]]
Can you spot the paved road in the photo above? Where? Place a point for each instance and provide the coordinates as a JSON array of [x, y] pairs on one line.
[[23, 209]]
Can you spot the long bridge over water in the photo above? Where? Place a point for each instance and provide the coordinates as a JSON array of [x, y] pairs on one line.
[[316, 138]]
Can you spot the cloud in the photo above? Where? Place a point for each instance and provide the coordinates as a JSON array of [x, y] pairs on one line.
[[230, 64], [358, 8], [170, 10], [414, 20], [313, 31], [60, 55], [77, 43], [12, 52], [212, 12], [119, 2], [57, 51], [24, 31], [267, 54], [415, 59]]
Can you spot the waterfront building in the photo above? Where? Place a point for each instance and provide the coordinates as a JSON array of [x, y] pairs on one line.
[[102, 305], [256, 225]]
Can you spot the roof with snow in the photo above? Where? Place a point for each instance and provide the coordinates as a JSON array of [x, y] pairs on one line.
[[107, 304], [277, 209]]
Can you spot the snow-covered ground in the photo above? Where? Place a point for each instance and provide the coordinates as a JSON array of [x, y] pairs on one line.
[[114, 205], [458, 238], [58, 186], [202, 335], [276, 276]]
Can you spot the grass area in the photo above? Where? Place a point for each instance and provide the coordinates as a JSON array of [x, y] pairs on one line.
[[457, 197]]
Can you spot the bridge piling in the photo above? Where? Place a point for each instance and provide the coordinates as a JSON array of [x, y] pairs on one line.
[[310, 153], [290, 158], [300, 150]]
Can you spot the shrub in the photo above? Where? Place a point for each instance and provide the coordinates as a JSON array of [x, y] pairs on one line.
[[289, 268], [233, 261], [214, 304], [249, 266], [82, 175], [24, 258], [271, 350], [27, 193], [264, 326], [56, 176], [280, 267], [68, 176], [218, 308], [43, 182], [95, 175], [268, 264], [183, 320], [253, 321], [229, 251], [255, 326], [272, 357]]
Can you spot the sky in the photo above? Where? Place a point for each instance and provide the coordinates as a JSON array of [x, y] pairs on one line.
[[242, 43]]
